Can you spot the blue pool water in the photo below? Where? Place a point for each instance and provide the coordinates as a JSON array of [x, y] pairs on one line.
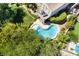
[[77, 48], [50, 32]]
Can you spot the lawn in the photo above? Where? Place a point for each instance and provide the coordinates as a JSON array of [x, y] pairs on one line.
[[29, 18], [77, 28]]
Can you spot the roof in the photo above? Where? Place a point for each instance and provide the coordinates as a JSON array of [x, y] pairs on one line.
[[44, 10], [54, 6]]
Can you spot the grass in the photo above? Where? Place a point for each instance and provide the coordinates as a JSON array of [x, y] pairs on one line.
[[77, 28], [29, 18]]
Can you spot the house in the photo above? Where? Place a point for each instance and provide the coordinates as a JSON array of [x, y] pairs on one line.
[[46, 10], [74, 5]]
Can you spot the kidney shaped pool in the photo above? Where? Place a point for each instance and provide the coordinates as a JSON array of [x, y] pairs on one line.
[[50, 32]]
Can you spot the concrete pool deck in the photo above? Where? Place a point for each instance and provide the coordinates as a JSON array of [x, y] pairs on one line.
[[44, 26], [38, 21]]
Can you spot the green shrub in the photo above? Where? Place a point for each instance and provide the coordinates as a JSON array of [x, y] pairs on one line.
[[48, 49], [72, 17], [60, 18], [70, 21], [77, 54], [69, 24], [73, 36], [63, 16], [52, 19]]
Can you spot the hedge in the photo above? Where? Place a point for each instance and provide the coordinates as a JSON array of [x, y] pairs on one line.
[[60, 18]]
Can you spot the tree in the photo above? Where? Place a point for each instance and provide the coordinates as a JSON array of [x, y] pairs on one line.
[[61, 40], [18, 40], [69, 24], [6, 12], [47, 49], [71, 17], [11, 12], [73, 36], [32, 6]]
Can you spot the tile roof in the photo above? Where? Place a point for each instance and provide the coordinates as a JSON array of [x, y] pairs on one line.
[[53, 6]]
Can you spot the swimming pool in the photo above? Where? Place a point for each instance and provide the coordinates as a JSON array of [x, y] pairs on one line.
[[77, 48], [50, 32]]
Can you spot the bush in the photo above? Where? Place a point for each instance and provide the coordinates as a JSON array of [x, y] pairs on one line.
[[71, 21], [32, 6], [69, 24], [72, 17], [73, 36], [63, 16], [60, 18], [48, 49]]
